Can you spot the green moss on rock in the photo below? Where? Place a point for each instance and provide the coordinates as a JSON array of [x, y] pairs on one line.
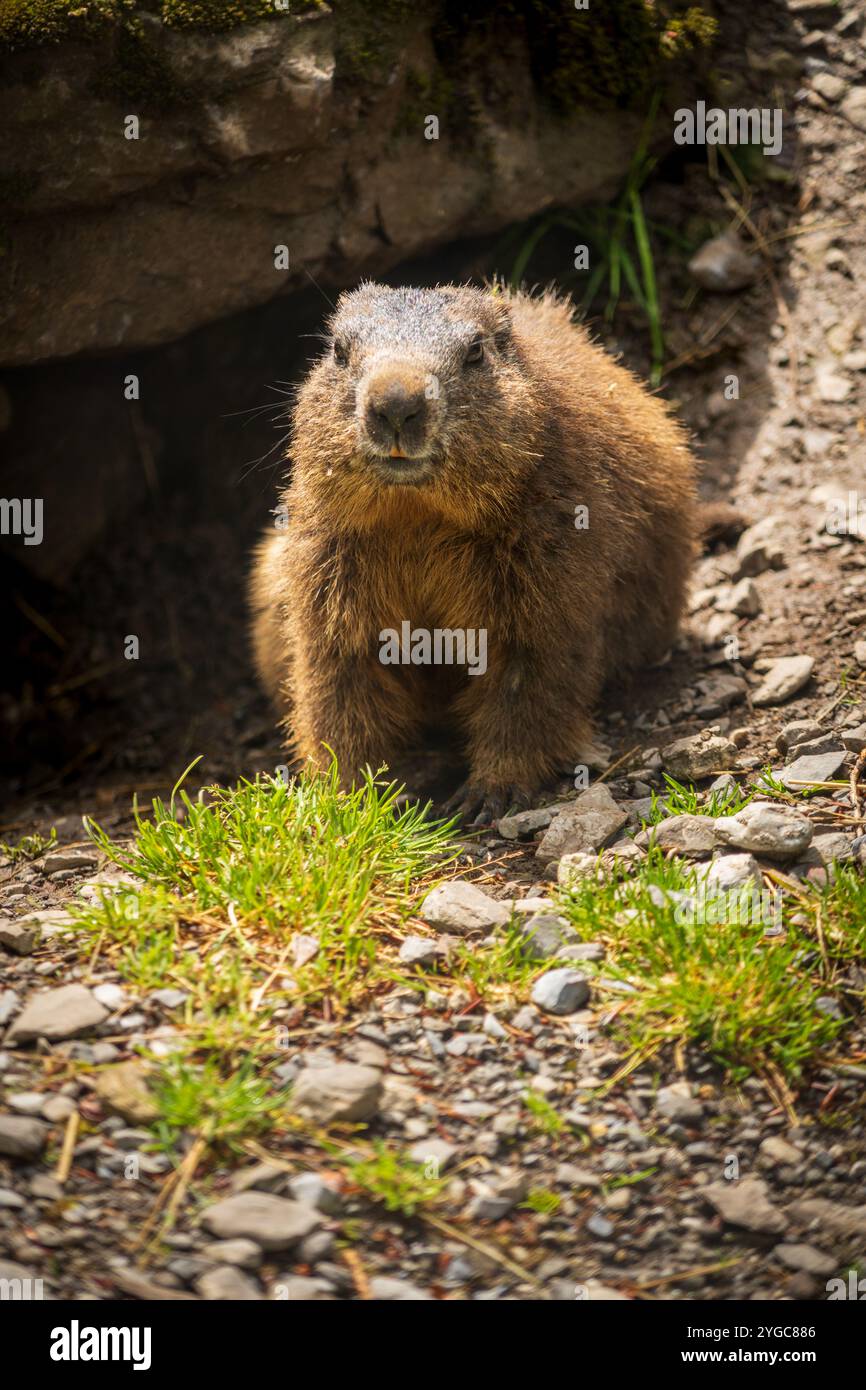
[[217, 15], [137, 73], [26, 23], [369, 37], [610, 55], [133, 68], [603, 54], [426, 94]]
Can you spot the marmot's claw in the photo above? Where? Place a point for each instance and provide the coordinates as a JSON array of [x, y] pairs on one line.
[[477, 806], [464, 802]]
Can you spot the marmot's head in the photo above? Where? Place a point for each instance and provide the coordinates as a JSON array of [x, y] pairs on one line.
[[419, 391]]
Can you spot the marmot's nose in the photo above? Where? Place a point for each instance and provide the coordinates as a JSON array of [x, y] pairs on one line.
[[393, 404]]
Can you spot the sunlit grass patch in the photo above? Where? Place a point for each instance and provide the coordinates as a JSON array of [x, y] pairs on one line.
[[225, 888], [545, 1118], [212, 1103], [841, 909], [496, 968], [619, 236], [683, 799], [29, 846], [769, 787], [400, 1184], [226, 883], [542, 1201], [705, 974]]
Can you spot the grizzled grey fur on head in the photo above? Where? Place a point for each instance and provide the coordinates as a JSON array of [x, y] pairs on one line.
[[412, 365]]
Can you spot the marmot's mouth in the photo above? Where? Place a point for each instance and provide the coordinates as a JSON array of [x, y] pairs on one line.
[[402, 469]]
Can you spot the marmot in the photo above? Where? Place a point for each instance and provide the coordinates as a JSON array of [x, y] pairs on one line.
[[468, 461]]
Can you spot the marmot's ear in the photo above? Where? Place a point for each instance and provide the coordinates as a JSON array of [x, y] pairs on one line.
[[362, 290], [343, 300], [502, 329]]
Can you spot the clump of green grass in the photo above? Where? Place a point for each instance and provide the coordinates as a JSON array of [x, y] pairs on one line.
[[628, 1179], [224, 883], [685, 800], [496, 967], [618, 236], [542, 1201], [769, 786], [545, 1118], [842, 908], [847, 681], [213, 1102], [398, 1183], [29, 846], [747, 999]]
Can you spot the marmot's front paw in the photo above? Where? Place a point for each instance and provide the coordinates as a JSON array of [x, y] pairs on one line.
[[477, 804]]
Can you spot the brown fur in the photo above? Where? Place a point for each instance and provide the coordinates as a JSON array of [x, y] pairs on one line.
[[547, 422]]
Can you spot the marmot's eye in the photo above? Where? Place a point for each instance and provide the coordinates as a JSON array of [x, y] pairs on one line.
[[341, 353], [475, 352]]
